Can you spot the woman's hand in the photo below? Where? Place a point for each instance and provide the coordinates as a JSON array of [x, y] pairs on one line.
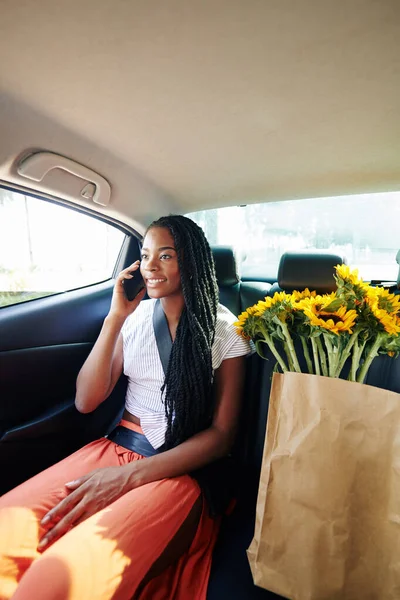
[[89, 494], [104, 365], [120, 305]]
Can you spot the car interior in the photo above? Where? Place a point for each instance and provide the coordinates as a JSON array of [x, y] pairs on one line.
[[274, 125]]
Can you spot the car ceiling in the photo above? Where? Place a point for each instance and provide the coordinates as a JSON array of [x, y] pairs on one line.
[[184, 105]]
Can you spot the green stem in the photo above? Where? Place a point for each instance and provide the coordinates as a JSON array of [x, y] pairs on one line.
[[370, 357], [322, 356], [315, 356], [274, 351], [346, 352], [289, 357], [307, 355], [334, 356], [290, 344], [355, 361], [361, 349]]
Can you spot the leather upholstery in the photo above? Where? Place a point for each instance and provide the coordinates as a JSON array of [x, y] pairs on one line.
[[253, 291], [227, 277], [312, 269], [225, 266]]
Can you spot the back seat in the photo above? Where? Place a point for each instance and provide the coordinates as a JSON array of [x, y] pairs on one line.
[[235, 294], [230, 572], [227, 277], [385, 371], [307, 268]]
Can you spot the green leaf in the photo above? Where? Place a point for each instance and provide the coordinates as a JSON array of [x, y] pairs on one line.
[[333, 306]]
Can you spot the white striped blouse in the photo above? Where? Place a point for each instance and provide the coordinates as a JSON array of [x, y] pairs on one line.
[[142, 365]]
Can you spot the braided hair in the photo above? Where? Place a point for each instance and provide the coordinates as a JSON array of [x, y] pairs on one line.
[[188, 381]]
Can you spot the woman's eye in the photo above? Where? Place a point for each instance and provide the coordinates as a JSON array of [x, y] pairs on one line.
[[165, 256], [144, 256]]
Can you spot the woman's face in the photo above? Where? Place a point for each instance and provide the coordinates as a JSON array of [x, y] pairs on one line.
[[159, 264]]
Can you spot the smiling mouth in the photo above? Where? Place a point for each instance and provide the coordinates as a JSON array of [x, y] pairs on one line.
[[155, 280]]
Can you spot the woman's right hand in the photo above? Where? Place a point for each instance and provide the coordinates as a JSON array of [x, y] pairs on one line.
[[120, 305], [104, 365]]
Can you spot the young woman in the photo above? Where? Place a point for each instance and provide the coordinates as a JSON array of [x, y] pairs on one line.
[[129, 516]]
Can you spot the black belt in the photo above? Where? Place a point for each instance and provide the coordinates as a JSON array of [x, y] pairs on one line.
[[132, 440]]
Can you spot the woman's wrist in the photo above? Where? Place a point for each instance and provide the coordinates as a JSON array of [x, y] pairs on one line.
[[114, 319], [138, 473]]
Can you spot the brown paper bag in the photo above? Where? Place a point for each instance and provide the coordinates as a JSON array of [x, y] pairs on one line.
[[328, 508]]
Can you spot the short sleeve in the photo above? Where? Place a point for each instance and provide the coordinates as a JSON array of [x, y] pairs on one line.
[[227, 342]]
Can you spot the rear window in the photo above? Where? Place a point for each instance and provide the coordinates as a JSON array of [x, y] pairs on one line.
[[364, 228]]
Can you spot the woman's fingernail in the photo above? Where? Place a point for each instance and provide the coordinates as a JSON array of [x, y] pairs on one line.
[[70, 483], [45, 520], [43, 542]]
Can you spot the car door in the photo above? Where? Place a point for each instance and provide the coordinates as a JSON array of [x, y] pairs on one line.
[[53, 300]]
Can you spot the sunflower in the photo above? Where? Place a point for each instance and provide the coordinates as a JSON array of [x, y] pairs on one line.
[[344, 272], [335, 321], [383, 299], [280, 297], [297, 296], [351, 289], [309, 301], [262, 306], [278, 300], [240, 324], [390, 322]]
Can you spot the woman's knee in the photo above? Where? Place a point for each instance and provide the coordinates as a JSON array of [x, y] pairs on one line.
[[48, 578]]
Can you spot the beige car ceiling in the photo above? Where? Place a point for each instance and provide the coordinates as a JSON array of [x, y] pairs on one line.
[[189, 104]]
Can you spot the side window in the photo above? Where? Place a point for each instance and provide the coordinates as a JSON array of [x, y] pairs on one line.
[[46, 248]]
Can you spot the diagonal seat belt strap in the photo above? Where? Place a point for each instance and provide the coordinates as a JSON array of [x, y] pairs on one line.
[[163, 336]]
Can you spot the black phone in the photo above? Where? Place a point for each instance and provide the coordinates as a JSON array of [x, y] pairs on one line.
[[133, 286]]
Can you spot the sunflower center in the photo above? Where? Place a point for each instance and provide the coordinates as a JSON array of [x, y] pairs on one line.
[[329, 317]]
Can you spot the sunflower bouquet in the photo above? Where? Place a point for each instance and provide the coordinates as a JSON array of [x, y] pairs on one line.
[[320, 334], [329, 475]]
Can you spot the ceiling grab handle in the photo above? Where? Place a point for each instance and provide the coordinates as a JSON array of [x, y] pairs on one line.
[[36, 166]]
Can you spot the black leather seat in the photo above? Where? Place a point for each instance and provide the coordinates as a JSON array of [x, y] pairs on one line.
[[253, 291], [227, 277], [230, 573], [235, 294], [307, 268]]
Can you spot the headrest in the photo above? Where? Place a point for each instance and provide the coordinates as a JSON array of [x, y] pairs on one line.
[[225, 265], [308, 268]]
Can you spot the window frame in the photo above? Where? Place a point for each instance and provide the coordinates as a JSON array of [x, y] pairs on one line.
[[124, 250]]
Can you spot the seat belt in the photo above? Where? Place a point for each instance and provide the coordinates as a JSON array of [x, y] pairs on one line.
[[131, 439], [214, 479], [162, 335]]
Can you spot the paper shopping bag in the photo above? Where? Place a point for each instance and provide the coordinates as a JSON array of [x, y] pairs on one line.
[[328, 507]]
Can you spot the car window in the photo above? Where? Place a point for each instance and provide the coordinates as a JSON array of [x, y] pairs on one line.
[[364, 228], [46, 248]]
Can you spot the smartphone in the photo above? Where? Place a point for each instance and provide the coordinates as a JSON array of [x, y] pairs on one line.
[[133, 286]]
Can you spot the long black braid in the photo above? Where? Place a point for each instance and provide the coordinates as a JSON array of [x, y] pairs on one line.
[[188, 382]]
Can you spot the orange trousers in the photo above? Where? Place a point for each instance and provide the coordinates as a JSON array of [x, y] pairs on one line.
[[108, 555]]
